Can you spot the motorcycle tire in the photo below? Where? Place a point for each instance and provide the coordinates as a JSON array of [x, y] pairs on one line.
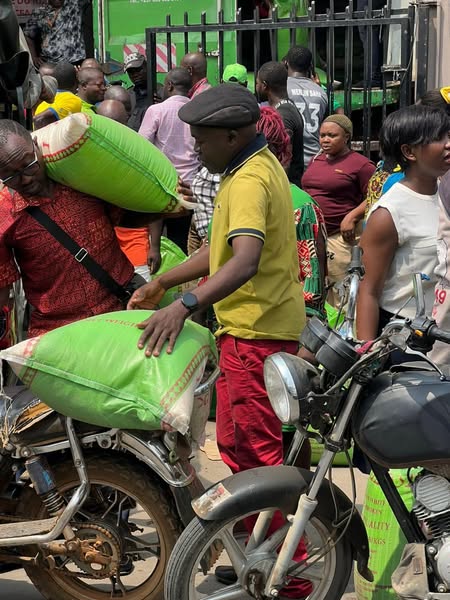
[[199, 535], [113, 472]]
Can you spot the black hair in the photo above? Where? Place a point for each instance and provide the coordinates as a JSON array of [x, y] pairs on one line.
[[415, 125], [180, 78], [274, 74], [66, 76], [9, 128], [300, 59], [434, 99]]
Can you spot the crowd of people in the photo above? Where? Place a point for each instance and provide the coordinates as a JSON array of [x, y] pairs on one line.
[[280, 200]]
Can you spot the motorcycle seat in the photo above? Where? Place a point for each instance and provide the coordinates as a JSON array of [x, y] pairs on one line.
[[50, 430], [29, 422]]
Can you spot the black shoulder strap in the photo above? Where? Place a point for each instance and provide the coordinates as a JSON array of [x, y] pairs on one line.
[[80, 254]]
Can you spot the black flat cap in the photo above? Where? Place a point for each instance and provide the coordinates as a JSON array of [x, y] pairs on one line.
[[227, 105]]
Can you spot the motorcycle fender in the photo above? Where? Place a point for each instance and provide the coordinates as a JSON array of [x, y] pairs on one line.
[[180, 477], [280, 487]]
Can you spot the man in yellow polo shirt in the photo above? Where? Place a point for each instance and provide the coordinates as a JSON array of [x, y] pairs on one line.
[[65, 102], [253, 282]]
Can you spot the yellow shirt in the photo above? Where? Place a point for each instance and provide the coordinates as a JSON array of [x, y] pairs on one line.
[[65, 104], [254, 199]]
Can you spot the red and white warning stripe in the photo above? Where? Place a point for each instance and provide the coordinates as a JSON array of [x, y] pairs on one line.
[[162, 59]]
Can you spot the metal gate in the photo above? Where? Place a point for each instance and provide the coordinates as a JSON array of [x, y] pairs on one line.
[[396, 89]]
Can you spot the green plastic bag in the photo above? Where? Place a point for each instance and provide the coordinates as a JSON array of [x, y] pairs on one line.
[[92, 371], [332, 316], [171, 256], [110, 161], [386, 540]]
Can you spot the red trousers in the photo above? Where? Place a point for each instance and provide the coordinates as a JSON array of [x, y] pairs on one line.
[[248, 431]]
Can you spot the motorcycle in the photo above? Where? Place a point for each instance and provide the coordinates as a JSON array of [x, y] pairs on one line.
[[398, 417], [91, 512]]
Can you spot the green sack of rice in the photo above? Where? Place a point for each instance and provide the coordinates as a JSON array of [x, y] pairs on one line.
[[171, 256], [110, 161], [386, 540], [92, 371]]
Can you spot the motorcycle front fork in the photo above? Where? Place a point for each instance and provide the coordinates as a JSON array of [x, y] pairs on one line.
[[307, 502]]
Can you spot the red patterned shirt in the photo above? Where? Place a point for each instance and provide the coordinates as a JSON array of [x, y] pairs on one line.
[[59, 289]]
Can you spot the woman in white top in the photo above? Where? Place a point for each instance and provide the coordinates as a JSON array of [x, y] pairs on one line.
[[400, 236]]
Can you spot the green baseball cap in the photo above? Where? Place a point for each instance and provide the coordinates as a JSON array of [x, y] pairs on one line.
[[235, 73]]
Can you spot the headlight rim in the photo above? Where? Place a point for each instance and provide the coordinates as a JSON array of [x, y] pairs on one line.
[[285, 365]]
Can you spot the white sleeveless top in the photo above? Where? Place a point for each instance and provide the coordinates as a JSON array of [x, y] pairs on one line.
[[416, 218]]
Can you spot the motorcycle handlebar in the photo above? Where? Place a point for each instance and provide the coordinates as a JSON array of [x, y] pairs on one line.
[[356, 259], [439, 334]]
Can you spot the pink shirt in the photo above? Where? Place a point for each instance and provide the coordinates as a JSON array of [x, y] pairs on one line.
[[162, 126], [199, 87]]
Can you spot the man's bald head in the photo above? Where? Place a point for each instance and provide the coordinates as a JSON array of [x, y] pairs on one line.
[[47, 69], [195, 63], [87, 74], [91, 63], [113, 109], [91, 85], [117, 92]]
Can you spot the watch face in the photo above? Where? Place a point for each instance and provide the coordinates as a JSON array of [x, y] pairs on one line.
[[190, 301]]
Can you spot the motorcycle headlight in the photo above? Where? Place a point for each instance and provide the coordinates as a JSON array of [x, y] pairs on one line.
[[288, 378]]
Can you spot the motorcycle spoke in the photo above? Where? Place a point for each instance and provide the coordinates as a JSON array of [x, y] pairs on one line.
[[232, 592], [234, 550], [109, 509], [315, 572]]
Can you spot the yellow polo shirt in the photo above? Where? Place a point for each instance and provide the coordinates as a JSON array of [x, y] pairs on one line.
[[65, 104], [254, 199]]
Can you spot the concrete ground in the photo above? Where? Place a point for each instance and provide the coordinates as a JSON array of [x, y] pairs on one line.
[[16, 585]]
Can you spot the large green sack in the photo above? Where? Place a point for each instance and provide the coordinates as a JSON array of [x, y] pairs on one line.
[[171, 256], [386, 540], [105, 159], [93, 371]]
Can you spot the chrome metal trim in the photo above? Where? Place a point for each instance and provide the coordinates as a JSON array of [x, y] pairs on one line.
[[154, 454], [27, 451], [203, 387], [79, 496], [285, 373]]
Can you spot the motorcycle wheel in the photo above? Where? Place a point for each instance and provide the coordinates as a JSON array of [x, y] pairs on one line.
[[186, 578], [148, 520]]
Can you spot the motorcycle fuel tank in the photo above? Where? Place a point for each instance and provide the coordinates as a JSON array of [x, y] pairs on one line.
[[403, 419]]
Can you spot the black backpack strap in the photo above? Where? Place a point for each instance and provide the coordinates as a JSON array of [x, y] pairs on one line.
[[80, 254]]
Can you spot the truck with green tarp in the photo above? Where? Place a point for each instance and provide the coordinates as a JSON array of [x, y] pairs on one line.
[[119, 29]]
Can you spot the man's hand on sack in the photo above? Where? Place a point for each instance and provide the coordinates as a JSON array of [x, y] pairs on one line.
[[148, 296], [184, 189], [163, 326]]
